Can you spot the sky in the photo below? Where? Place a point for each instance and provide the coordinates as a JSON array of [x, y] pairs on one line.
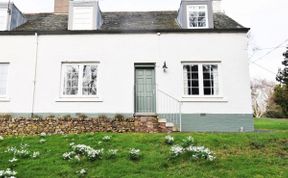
[[267, 19]]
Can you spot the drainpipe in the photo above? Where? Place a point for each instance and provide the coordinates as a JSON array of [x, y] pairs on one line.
[[35, 74]]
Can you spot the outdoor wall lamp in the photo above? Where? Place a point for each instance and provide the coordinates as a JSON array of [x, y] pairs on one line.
[[165, 67]]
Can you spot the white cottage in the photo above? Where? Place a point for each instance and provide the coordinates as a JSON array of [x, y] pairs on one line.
[[189, 67]]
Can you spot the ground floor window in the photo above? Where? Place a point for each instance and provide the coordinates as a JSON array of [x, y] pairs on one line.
[[79, 79], [3, 79], [201, 79]]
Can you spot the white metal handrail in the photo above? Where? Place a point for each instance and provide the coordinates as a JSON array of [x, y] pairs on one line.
[[169, 108]]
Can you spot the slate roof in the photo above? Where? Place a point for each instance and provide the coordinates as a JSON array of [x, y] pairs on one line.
[[121, 21]]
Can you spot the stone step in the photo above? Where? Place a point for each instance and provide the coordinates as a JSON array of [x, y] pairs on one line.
[[169, 124], [162, 120]]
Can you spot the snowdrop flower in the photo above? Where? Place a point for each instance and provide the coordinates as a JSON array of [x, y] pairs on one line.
[[176, 150], [42, 140], [68, 155], [35, 154], [134, 154], [1, 138], [13, 160], [43, 134], [169, 139], [106, 138], [77, 157]]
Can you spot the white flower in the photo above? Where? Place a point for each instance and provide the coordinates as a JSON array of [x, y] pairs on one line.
[[134, 153], [13, 160], [169, 139], [199, 152], [72, 144], [106, 138], [8, 173], [35, 154], [82, 172], [43, 134], [176, 150], [68, 155], [77, 157], [42, 140], [88, 151], [112, 153], [1, 138]]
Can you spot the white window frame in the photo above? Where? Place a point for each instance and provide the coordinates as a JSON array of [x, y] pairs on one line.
[[79, 96], [190, 9], [5, 97], [200, 78]]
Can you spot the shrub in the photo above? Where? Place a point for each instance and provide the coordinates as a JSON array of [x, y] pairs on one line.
[[134, 154], [169, 140]]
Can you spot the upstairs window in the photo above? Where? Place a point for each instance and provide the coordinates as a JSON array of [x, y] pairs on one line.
[[201, 79], [79, 79], [197, 16], [3, 79]]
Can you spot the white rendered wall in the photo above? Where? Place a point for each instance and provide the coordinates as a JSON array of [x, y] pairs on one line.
[[19, 52], [117, 54]]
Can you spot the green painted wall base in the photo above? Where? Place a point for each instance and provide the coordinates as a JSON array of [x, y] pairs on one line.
[[217, 122]]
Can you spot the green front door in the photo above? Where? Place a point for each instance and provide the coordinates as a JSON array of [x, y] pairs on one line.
[[145, 99]]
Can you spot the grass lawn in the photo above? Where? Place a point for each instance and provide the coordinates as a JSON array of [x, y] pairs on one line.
[[263, 154], [271, 124]]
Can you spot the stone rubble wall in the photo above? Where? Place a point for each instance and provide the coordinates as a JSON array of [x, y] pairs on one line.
[[68, 125]]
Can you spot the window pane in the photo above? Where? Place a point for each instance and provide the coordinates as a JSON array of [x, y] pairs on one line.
[[71, 79], [191, 80], [3, 78], [197, 16], [210, 80], [89, 80]]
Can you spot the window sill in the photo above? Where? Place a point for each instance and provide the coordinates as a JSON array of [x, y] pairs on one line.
[[79, 99], [204, 99], [4, 99]]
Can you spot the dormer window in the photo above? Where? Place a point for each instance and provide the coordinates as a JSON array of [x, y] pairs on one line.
[[82, 18], [197, 16], [84, 15]]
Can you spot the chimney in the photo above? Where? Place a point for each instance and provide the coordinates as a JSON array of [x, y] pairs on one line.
[[61, 6], [217, 6]]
